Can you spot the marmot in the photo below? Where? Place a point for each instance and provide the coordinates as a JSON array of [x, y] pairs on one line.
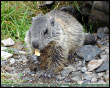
[[55, 34]]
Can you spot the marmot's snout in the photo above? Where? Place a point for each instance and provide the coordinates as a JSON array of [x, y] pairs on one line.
[[35, 45]]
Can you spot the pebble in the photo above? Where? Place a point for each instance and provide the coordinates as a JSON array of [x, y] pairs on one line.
[[101, 74], [88, 52], [103, 30], [94, 79], [7, 68], [76, 78], [107, 72], [101, 82], [107, 50], [22, 52], [79, 82], [88, 73], [93, 64], [59, 77], [84, 69], [105, 57], [86, 82], [12, 60], [76, 73], [3, 48], [8, 42], [87, 77], [6, 55], [103, 67], [67, 70], [106, 78]]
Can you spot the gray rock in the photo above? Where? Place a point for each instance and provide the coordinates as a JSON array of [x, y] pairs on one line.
[[86, 81], [104, 30], [87, 77], [76, 78], [103, 67], [94, 79], [105, 57], [88, 52], [107, 50], [101, 74], [84, 69], [101, 35], [8, 42], [3, 48], [59, 77], [12, 60], [76, 73], [5, 55]]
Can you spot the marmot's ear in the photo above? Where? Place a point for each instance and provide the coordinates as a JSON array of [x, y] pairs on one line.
[[52, 21], [36, 16], [33, 18]]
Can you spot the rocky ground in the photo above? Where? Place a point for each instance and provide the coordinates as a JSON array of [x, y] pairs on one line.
[[90, 64]]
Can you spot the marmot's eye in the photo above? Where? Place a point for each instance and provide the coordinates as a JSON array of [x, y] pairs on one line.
[[46, 31]]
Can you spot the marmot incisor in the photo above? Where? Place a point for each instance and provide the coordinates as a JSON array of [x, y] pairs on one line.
[[55, 34]]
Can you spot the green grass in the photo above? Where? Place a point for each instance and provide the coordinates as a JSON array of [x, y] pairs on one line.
[[16, 16], [15, 19]]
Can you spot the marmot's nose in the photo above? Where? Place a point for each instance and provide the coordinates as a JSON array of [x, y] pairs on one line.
[[35, 45]]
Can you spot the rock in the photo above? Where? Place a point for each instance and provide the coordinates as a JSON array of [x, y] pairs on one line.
[[100, 9], [101, 35], [7, 68], [107, 50], [12, 60], [86, 81], [3, 62], [90, 39], [59, 77], [22, 52], [94, 79], [107, 72], [103, 67], [88, 73], [104, 30], [8, 42], [67, 70], [3, 48], [93, 64], [101, 82], [106, 78], [5, 55], [79, 82], [88, 52], [105, 57], [101, 32], [87, 77], [76, 78], [79, 63], [101, 74], [84, 69], [76, 73]]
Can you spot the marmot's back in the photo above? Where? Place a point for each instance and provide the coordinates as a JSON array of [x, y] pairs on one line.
[[72, 28]]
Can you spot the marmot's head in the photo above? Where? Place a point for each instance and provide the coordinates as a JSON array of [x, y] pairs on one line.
[[43, 31]]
